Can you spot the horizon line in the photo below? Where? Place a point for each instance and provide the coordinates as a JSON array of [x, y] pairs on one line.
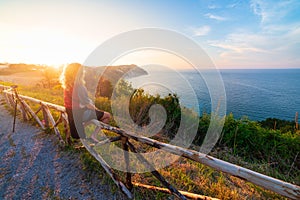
[[183, 68]]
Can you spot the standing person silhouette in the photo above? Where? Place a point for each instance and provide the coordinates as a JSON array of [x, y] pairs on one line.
[[79, 107]]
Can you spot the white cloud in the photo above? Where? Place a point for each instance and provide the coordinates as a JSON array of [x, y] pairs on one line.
[[201, 31], [256, 7], [213, 6], [215, 17], [232, 5], [269, 10], [259, 49], [241, 43], [275, 42]]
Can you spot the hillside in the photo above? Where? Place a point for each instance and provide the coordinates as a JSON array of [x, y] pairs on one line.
[[250, 144], [9, 69], [112, 73]]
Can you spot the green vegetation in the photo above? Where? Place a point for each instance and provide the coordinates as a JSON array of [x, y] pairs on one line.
[[261, 146], [277, 149]]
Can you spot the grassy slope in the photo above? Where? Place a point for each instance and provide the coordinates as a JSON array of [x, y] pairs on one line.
[[184, 174]]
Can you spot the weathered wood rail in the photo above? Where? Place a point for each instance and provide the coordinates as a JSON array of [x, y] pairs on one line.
[[12, 98], [48, 122]]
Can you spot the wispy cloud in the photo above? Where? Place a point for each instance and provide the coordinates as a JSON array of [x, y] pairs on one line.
[[260, 9], [269, 10], [213, 6], [274, 41], [260, 48], [240, 43], [201, 31], [232, 5], [215, 17]]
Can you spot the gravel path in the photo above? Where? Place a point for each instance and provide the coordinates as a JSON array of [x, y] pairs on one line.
[[34, 167]]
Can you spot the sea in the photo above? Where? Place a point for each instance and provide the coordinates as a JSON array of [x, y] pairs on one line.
[[253, 93]]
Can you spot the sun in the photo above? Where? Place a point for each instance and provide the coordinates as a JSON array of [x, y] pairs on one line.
[[55, 66]]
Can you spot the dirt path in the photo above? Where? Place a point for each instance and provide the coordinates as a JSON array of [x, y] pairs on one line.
[[34, 167]]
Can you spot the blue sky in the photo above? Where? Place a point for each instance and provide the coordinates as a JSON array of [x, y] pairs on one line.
[[234, 33]]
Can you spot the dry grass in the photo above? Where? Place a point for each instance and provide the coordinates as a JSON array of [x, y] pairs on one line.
[[196, 178], [184, 174], [29, 78]]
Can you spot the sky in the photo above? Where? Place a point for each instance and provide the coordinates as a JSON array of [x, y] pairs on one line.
[[234, 33]]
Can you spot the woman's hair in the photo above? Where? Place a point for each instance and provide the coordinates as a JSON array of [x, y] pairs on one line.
[[72, 73]]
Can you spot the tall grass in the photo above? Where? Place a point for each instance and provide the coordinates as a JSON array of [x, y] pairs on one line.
[[244, 142]]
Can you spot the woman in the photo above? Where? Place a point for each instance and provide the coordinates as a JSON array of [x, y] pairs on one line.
[[79, 106]]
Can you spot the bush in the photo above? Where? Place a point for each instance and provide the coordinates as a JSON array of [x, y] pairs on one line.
[[283, 125], [254, 141]]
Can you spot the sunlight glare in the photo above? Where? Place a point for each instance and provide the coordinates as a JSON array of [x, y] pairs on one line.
[[146, 57]]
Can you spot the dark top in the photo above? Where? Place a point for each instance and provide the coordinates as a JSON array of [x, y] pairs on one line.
[[79, 96]]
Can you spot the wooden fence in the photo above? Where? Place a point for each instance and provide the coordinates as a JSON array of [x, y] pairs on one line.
[[12, 98], [47, 122]]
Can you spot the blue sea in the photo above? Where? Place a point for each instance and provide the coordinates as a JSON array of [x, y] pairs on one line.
[[255, 93]]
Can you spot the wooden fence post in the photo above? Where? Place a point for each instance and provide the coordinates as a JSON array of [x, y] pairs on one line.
[[23, 110], [66, 127], [126, 157], [51, 119], [173, 190], [108, 170], [45, 116], [11, 100], [6, 98], [21, 107], [34, 115]]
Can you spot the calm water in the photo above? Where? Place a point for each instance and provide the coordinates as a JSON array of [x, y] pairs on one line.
[[258, 94], [263, 93]]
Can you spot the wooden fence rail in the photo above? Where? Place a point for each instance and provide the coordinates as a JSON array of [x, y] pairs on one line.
[[47, 122], [11, 96]]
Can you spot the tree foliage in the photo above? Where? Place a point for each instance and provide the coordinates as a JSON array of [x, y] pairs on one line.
[[104, 88], [50, 77]]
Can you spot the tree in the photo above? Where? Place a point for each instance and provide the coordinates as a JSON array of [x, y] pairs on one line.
[[104, 88], [50, 77]]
